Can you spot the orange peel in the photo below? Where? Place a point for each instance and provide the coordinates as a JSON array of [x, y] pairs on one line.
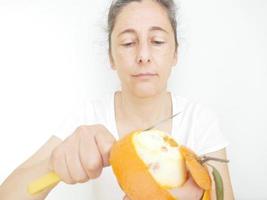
[[149, 164], [199, 173]]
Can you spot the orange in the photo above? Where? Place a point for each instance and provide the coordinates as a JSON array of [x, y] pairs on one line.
[[199, 172], [149, 164]]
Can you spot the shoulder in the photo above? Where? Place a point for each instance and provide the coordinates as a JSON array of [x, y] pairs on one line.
[[193, 108], [198, 126]]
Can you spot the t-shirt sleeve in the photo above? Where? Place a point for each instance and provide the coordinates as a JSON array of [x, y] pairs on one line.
[[207, 132], [80, 114]]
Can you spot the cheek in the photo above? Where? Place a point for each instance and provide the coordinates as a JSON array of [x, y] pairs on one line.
[[165, 73], [124, 58], [164, 54], [164, 70], [164, 61], [124, 66]]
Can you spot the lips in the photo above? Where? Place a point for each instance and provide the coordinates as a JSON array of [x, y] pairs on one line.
[[145, 74]]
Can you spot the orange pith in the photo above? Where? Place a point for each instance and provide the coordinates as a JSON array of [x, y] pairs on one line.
[[134, 176], [136, 181]]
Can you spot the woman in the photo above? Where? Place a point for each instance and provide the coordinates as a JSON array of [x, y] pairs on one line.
[[143, 49]]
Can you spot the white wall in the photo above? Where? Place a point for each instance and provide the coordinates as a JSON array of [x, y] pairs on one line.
[[53, 54]]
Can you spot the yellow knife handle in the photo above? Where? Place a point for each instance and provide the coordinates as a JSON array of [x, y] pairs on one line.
[[43, 183]]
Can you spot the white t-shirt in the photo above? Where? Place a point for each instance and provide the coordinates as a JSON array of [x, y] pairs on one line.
[[196, 127]]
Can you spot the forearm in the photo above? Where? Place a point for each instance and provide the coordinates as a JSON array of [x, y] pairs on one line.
[[228, 192], [15, 186], [224, 171]]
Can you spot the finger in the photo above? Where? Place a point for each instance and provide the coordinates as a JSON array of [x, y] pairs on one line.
[[126, 198], [104, 141], [194, 188], [74, 165], [90, 156], [189, 190], [59, 165]]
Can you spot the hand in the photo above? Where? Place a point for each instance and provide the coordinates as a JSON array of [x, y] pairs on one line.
[[83, 154], [189, 191], [126, 198]]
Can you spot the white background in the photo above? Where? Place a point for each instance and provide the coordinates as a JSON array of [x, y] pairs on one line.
[[53, 54]]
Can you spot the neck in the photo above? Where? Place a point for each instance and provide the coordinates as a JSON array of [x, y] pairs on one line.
[[144, 112]]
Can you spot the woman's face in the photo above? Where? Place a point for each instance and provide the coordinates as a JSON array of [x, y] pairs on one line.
[[143, 48]]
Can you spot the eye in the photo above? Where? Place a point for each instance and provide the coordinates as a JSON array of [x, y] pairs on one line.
[[128, 44], [158, 42]]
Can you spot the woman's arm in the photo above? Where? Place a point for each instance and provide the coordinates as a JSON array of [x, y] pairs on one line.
[[79, 158], [15, 186], [223, 169]]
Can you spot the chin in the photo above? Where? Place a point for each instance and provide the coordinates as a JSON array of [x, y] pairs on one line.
[[145, 91]]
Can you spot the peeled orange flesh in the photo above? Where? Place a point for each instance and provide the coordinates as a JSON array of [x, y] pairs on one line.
[[147, 164]]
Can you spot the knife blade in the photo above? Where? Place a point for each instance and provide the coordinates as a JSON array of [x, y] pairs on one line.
[[162, 121]]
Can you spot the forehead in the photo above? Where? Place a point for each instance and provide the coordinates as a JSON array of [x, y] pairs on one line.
[[142, 15]]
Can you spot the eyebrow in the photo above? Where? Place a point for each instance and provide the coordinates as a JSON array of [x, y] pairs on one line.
[[153, 28], [129, 30], [157, 28]]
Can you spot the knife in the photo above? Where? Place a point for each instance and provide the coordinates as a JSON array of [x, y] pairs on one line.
[[161, 121], [52, 178]]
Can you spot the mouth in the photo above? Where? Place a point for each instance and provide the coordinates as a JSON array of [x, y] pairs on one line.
[[147, 74]]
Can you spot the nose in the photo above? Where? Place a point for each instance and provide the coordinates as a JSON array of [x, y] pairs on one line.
[[143, 54]]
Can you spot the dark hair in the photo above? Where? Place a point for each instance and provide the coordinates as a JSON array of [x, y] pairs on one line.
[[117, 6]]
